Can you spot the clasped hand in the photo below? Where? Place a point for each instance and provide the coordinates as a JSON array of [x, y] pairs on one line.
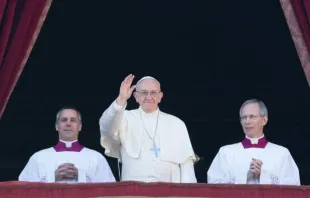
[[66, 171], [255, 168]]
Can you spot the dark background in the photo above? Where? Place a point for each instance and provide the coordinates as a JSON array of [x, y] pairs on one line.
[[209, 56]]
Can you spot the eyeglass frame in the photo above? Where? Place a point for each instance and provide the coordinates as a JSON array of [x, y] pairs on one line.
[[145, 93], [251, 117]]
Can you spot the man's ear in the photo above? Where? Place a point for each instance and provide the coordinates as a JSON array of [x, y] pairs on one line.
[[161, 95], [265, 120]]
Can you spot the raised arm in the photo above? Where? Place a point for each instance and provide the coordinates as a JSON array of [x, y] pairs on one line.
[[112, 119]]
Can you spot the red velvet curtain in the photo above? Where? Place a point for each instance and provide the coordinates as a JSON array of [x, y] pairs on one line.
[[20, 23], [297, 14], [302, 12]]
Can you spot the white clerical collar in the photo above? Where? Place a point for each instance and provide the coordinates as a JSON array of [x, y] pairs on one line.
[[254, 140], [154, 113], [68, 143]]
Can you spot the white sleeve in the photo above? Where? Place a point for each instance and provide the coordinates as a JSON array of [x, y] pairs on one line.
[[188, 172], [289, 173], [110, 122], [103, 172], [219, 171], [31, 171]]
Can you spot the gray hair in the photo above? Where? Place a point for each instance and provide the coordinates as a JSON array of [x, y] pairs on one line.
[[262, 107], [72, 108], [147, 77]]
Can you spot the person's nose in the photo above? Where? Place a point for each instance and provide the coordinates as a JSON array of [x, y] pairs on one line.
[[148, 96], [247, 121], [68, 123]]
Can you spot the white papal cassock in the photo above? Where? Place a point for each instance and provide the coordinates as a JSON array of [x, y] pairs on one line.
[[91, 165], [127, 135], [232, 163]]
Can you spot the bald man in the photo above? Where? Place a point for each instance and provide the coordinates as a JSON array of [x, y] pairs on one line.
[[152, 146]]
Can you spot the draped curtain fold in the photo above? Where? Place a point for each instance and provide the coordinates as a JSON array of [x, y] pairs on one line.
[[297, 14], [20, 23]]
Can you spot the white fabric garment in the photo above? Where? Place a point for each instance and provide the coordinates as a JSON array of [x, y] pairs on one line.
[[91, 165], [124, 136], [232, 162]]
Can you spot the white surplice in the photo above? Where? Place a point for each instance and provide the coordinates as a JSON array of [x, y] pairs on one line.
[[92, 166], [126, 136], [232, 163]]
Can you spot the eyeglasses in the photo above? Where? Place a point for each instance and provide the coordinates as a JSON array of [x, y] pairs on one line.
[[251, 117], [146, 93]]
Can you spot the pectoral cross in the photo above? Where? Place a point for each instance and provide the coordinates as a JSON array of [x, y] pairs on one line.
[[155, 150]]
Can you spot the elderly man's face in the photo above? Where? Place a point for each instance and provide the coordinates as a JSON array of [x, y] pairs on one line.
[[68, 125], [148, 95], [251, 121]]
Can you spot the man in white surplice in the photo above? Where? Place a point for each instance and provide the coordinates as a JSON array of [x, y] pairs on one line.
[[153, 146], [68, 161], [254, 160]]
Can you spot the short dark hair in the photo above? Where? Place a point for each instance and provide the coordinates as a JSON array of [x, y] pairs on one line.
[[68, 107]]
